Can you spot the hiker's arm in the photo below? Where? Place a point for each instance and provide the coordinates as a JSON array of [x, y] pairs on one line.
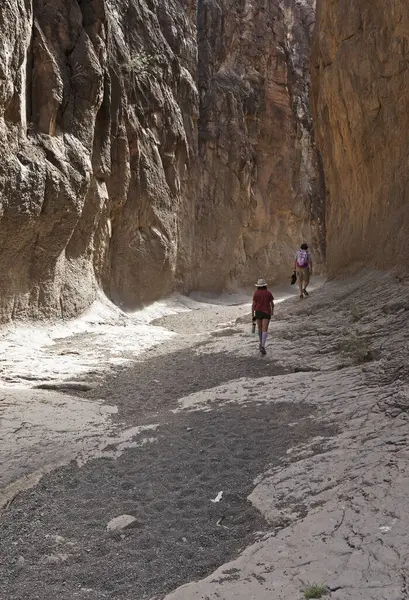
[[272, 305]]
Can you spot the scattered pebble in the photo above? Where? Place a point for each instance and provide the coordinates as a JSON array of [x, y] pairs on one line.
[[54, 559]]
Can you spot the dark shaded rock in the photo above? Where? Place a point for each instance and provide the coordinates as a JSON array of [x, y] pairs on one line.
[[260, 189], [96, 142]]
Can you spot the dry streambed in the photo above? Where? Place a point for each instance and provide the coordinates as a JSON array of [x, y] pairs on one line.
[[314, 435]]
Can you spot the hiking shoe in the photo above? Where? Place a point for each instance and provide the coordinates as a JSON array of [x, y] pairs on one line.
[[305, 292], [263, 350], [301, 297]]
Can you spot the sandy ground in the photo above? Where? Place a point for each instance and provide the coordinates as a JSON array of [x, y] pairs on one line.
[[44, 428], [309, 446]]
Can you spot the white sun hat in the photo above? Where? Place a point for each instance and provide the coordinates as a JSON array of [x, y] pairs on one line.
[[261, 283]]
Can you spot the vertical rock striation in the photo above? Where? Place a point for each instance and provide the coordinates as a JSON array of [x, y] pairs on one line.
[[98, 106], [360, 71], [148, 145], [260, 190]]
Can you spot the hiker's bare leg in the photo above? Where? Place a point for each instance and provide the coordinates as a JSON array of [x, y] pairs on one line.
[[259, 329], [306, 281], [299, 277], [264, 326]]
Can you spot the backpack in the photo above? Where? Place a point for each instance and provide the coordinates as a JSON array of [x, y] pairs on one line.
[[302, 259]]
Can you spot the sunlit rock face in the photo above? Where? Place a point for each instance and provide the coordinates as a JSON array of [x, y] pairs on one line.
[[361, 113]]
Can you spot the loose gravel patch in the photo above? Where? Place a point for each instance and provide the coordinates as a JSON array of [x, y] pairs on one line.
[[148, 388], [54, 542]]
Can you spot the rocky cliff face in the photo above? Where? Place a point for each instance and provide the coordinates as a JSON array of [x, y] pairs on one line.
[[260, 190], [361, 109], [98, 106], [150, 144]]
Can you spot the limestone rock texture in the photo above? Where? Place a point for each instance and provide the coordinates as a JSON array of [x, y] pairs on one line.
[[260, 189], [97, 112], [360, 91], [152, 145]]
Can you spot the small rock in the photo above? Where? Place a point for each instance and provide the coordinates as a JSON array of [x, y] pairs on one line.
[[59, 539], [227, 331], [54, 559], [107, 409], [123, 522]]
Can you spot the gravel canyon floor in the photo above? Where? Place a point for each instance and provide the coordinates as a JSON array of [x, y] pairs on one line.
[[243, 477]]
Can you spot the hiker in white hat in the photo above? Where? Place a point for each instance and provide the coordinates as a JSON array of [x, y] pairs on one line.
[[262, 311]]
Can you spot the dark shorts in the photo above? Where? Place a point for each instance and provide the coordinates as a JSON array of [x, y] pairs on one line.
[[262, 315]]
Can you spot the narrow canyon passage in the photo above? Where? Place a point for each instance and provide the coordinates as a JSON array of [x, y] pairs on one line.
[[157, 157]]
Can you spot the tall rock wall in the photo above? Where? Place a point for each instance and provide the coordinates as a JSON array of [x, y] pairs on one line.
[[360, 71], [98, 106], [148, 145], [260, 191]]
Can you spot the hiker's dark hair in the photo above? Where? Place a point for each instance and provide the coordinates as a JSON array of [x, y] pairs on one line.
[[304, 246], [264, 287]]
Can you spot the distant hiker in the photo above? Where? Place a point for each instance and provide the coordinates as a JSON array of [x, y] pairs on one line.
[[303, 269], [262, 311]]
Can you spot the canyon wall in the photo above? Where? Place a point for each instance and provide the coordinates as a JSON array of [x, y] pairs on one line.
[[360, 73], [260, 191], [152, 145], [98, 107]]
